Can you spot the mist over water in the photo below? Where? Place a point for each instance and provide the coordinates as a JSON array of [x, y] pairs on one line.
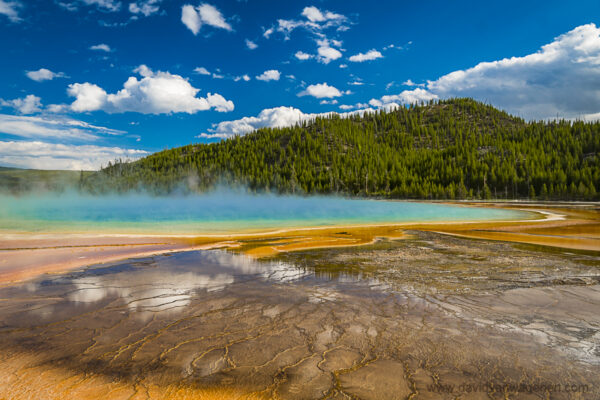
[[222, 210]]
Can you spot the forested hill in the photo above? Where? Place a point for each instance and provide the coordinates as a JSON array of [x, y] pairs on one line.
[[450, 149]]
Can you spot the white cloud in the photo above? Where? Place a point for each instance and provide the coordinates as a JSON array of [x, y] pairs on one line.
[[315, 21], [201, 71], [44, 74], [156, 93], [277, 117], [9, 9], [328, 102], [107, 5], [267, 34], [368, 56], [101, 47], [213, 17], [313, 14], [414, 96], [354, 106], [244, 77], [300, 55], [562, 78], [409, 82], [320, 91], [356, 82], [343, 66], [27, 105], [41, 155], [326, 53], [270, 75], [57, 108], [145, 7], [46, 127], [194, 17], [250, 44], [190, 18]]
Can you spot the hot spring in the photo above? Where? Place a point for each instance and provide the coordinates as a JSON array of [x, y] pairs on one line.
[[221, 211]]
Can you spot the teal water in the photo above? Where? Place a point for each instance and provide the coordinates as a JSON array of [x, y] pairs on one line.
[[219, 212]]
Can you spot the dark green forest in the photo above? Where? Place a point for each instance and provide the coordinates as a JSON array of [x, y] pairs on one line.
[[450, 149]]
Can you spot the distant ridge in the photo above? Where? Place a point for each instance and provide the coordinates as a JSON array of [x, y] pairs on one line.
[[449, 149]]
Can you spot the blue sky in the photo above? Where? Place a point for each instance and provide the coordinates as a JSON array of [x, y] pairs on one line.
[[86, 81]]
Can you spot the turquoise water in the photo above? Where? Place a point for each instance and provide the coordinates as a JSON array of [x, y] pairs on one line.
[[219, 211]]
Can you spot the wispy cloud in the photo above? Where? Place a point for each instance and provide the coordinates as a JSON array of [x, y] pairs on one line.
[[10, 10], [251, 45], [29, 104], [42, 155], [35, 127], [145, 7], [101, 47]]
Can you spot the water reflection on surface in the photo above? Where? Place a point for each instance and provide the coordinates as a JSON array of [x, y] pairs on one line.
[[381, 321], [162, 283]]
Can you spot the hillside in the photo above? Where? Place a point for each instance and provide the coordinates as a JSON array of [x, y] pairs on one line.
[[16, 180], [456, 148]]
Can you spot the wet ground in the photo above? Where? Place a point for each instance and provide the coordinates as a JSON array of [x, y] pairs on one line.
[[431, 316]]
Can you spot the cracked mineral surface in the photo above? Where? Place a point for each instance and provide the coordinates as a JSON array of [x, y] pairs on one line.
[[430, 316]]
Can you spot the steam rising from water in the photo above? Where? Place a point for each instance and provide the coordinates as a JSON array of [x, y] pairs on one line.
[[221, 210]]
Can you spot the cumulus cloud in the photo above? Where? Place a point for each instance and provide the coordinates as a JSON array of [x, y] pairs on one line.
[[194, 17], [145, 7], [57, 128], [277, 117], [313, 14], [10, 10], [156, 93], [250, 44], [270, 75], [368, 56], [300, 55], [417, 95], [27, 105], [325, 52], [41, 155], [562, 78], [101, 47], [320, 91], [44, 74]]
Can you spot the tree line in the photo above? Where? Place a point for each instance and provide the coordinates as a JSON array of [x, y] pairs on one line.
[[447, 149]]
